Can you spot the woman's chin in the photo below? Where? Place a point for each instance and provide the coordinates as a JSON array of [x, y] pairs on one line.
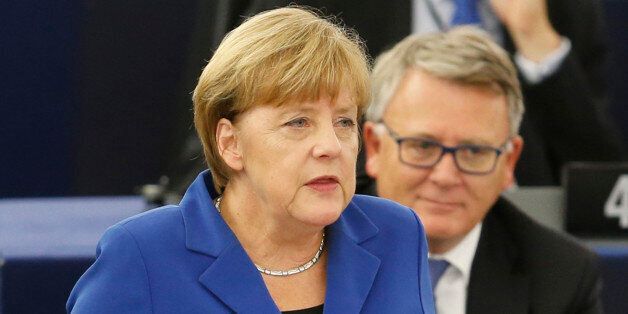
[[320, 216], [319, 209]]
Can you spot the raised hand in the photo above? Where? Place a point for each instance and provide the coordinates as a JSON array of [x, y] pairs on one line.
[[528, 23]]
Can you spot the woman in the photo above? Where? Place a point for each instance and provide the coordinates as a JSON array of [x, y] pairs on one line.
[[275, 226]]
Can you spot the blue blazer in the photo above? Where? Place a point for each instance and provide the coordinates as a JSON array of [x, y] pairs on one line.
[[185, 259]]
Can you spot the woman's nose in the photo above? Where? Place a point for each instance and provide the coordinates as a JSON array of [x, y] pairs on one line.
[[327, 143]]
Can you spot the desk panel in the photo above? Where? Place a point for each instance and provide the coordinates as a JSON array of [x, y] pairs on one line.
[[614, 268], [47, 243], [40, 285]]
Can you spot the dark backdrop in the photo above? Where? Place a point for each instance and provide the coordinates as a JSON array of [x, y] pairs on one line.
[[617, 17], [91, 93], [95, 95]]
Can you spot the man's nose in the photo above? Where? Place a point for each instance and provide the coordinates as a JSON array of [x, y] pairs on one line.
[[445, 172]]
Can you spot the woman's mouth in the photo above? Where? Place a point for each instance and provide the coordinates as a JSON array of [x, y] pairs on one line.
[[323, 183]]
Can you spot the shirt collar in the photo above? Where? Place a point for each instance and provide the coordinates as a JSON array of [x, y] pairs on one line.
[[461, 256]]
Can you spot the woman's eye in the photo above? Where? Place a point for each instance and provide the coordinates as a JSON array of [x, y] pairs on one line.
[[346, 123], [297, 123]]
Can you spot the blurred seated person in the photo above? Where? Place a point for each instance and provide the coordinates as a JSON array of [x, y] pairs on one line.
[[559, 46], [275, 226], [442, 138]]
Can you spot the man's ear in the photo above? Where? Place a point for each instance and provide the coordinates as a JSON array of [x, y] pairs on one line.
[[511, 161], [228, 146], [372, 144]]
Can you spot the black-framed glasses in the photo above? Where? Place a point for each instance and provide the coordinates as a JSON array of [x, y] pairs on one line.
[[426, 153]]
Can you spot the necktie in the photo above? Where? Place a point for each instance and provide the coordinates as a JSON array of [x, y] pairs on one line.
[[466, 13], [437, 269]]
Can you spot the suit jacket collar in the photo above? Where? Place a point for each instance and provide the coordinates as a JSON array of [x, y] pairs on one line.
[[351, 268], [232, 277], [497, 283]]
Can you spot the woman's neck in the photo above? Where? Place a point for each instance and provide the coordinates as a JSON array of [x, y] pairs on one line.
[[272, 240]]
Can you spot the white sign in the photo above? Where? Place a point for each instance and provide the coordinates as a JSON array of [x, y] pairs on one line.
[[617, 203]]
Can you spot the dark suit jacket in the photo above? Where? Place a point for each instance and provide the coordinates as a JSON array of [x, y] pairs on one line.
[[566, 118], [522, 267], [185, 259]]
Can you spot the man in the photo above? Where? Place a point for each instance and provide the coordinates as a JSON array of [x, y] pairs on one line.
[[442, 138]]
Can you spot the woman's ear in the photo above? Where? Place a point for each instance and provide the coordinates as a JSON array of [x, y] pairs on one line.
[[227, 143]]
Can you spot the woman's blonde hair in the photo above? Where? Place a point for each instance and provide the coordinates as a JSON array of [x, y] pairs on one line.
[[278, 56], [465, 55]]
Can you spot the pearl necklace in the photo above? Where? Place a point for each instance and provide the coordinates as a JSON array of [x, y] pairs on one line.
[[291, 271]]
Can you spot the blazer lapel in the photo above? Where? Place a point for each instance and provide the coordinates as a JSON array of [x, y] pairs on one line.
[[235, 281], [351, 268], [231, 276], [496, 285]]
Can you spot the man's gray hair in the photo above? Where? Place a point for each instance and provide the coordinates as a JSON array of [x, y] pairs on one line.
[[465, 55]]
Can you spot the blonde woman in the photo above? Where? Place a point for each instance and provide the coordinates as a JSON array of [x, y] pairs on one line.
[[275, 226]]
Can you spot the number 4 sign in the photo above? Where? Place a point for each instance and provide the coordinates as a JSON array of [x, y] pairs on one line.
[[617, 203]]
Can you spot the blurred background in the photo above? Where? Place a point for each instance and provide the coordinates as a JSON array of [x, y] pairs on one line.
[[95, 95], [95, 100]]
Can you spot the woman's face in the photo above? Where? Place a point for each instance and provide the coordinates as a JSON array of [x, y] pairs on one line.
[[299, 159]]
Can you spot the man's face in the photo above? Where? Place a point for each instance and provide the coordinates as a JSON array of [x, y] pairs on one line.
[[449, 202]]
